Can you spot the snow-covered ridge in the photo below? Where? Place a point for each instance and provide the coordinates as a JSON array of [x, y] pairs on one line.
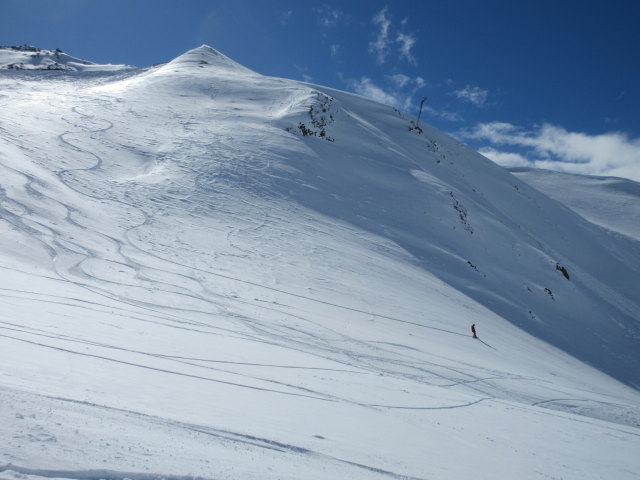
[[26, 57], [206, 272], [613, 203]]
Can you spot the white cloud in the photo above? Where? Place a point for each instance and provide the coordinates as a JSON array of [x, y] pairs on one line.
[[400, 79], [555, 148], [506, 159], [384, 43], [399, 91], [406, 44], [474, 95], [380, 47], [367, 88], [334, 49], [445, 115]]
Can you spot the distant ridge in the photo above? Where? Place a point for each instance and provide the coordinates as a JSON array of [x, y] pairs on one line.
[[28, 57]]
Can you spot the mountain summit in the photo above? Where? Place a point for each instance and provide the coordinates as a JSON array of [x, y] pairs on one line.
[[204, 56], [211, 272]]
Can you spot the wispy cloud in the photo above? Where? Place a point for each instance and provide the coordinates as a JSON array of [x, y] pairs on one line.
[[400, 79], [474, 95], [367, 88], [385, 42], [381, 46], [444, 114], [554, 148], [507, 159], [406, 42], [335, 48], [398, 91]]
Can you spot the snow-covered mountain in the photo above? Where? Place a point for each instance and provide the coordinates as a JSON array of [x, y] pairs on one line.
[[209, 272], [27, 57]]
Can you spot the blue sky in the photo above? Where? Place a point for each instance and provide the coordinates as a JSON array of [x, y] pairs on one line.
[[553, 84]]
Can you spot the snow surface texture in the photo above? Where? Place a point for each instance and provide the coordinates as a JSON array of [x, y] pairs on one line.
[[210, 273]]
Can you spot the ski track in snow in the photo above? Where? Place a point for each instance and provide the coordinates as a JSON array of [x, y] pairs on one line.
[[76, 269]]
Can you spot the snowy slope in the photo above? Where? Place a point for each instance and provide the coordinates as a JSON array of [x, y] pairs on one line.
[[208, 272], [613, 203]]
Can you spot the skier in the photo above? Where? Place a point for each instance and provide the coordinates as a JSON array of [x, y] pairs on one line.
[[473, 330]]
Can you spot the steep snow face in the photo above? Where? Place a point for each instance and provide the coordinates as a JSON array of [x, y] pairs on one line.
[[26, 57], [479, 229], [210, 272]]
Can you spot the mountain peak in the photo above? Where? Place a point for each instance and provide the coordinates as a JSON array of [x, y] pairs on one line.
[[204, 56]]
